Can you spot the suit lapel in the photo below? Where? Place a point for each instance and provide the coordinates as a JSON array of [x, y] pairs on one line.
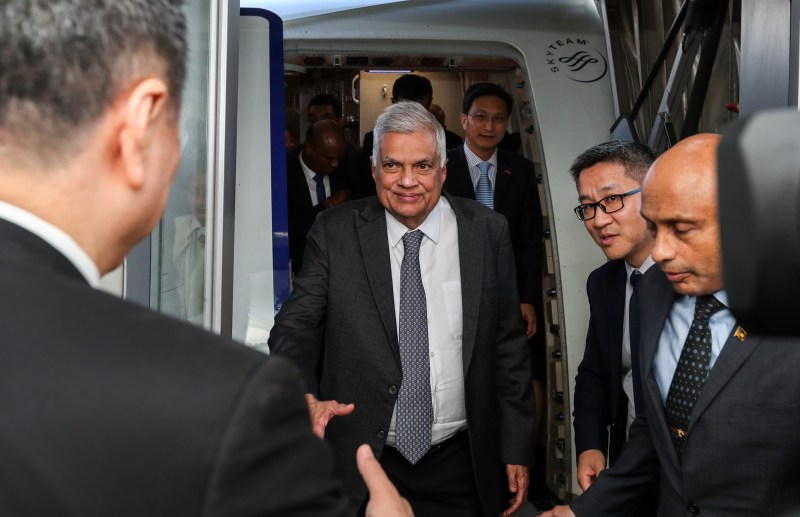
[[734, 353], [470, 254], [502, 184], [616, 319], [373, 239], [458, 180], [658, 296]]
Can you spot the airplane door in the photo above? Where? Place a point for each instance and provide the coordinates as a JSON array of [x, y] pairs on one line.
[[261, 251]]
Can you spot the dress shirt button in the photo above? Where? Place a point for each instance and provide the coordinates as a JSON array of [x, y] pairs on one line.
[[381, 434], [433, 354], [392, 390], [693, 509]]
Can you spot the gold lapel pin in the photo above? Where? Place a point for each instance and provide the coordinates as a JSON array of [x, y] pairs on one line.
[[507, 171], [740, 333]]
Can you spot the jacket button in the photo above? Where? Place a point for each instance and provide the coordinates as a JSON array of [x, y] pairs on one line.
[[392, 390], [693, 509], [381, 434]]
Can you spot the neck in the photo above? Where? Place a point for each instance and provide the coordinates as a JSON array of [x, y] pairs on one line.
[[481, 153]]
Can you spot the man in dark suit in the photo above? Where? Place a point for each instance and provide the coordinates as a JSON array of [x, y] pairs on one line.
[[721, 406], [512, 191], [314, 182], [326, 106], [607, 389], [109, 408], [443, 395]]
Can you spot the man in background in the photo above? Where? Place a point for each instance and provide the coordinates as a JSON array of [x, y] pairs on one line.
[[608, 392], [719, 429], [506, 183], [325, 106], [109, 408], [314, 182]]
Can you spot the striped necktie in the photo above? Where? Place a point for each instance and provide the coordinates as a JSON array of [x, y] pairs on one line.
[[483, 190]]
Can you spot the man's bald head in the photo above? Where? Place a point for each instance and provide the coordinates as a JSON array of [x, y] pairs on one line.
[[325, 146], [679, 202]]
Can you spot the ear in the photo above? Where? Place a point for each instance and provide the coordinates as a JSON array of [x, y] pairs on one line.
[[374, 170], [463, 121], [142, 109]]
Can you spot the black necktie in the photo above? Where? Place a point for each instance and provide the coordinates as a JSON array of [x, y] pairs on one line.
[[692, 370], [634, 331], [319, 179]]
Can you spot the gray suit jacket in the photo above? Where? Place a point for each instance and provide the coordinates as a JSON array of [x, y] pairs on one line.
[[742, 451], [342, 309]]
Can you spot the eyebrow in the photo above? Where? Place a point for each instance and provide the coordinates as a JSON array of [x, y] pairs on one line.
[[604, 188]]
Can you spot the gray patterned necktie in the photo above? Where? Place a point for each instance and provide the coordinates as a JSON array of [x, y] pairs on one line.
[[692, 370], [483, 190], [414, 405]]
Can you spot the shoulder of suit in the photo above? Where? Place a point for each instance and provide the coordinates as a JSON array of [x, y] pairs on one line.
[[609, 269]]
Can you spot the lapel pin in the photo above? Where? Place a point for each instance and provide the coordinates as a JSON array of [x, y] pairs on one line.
[[507, 171], [740, 333]]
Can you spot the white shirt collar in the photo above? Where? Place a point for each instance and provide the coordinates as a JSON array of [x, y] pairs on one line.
[[642, 269], [309, 174], [55, 237], [473, 159], [431, 226]]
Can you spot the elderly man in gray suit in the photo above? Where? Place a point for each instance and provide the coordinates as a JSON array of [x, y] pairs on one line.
[[722, 407], [409, 299]]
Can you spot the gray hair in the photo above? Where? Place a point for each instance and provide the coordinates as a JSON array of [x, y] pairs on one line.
[[408, 117], [63, 62]]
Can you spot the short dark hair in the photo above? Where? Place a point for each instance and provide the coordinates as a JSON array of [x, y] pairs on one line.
[[635, 158], [484, 90], [62, 63], [326, 99], [410, 87]]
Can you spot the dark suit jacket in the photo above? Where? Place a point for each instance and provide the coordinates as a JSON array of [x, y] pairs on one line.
[[343, 298], [516, 196], [301, 208], [742, 452], [111, 409], [600, 402]]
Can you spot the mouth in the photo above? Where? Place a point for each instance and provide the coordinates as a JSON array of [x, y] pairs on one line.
[[676, 276], [607, 240], [406, 197]]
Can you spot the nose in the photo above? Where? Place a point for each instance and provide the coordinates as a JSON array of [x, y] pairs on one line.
[[663, 250], [408, 178], [601, 218]]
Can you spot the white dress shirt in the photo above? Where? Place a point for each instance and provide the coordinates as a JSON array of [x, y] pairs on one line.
[[673, 337], [441, 278], [627, 373], [312, 185], [55, 237], [475, 172]]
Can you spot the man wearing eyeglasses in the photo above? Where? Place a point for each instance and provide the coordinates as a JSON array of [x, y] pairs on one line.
[[505, 182], [607, 389]]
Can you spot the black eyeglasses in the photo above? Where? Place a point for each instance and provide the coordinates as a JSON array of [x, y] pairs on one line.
[[608, 205]]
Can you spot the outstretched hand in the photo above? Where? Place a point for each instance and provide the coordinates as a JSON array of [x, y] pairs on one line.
[[323, 410]]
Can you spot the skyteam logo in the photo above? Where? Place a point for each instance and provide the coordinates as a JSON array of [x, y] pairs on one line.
[[576, 59]]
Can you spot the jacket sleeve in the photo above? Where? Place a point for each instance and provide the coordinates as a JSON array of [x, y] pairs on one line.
[[528, 252], [514, 381], [617, 489], [299, 330], [591, 412], [269, 462]]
